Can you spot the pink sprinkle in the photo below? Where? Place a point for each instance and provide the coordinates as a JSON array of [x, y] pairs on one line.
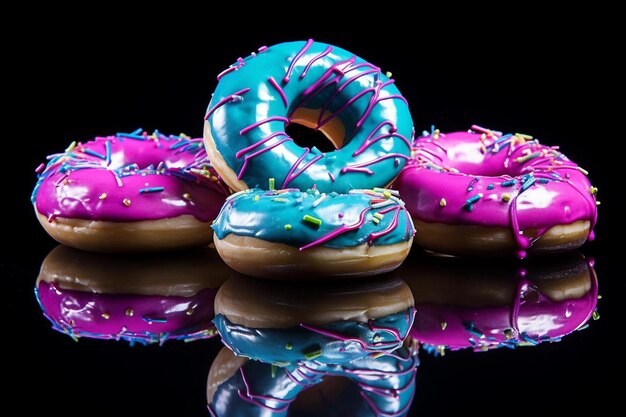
[[332, 177], [340, 215], [263, 48], [51, 217], [40, 168]]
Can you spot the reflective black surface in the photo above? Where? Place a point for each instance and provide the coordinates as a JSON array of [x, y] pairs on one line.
[[449, 83]]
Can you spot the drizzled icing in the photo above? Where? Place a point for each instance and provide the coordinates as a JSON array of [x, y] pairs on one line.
[[334, 343], [130, 177], [257, 97], [310, 218], [482, 177], [134, 318], [386, 384]]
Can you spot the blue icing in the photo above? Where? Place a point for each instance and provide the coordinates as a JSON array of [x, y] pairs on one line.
[[292, 345], [275, 217], [258, 389], [249, 92]]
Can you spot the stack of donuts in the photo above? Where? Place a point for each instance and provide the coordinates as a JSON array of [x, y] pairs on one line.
[[290, 211], [274, 209]]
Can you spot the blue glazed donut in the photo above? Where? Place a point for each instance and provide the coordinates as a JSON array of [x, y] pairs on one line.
[[319, 86]]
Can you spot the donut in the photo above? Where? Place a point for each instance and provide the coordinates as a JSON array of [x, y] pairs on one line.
[[129, 192], [322, 87], [140, 298], [366, 387], [291, 234], [466, 304], [482, 193], [332, 322]]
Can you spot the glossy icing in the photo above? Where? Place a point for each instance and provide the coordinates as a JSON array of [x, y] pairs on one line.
[[130, 177], [386, 384], [508, 307], [258, 96], [482, 177], [334, 343], [308, 218], [134, 318]]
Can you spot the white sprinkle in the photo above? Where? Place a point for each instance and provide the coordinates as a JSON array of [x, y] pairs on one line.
[[319, 200]]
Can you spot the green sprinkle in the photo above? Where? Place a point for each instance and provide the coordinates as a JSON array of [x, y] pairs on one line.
[[386, 194], [313, 355], [312, 220], [388, 74], [593, 190], [524, 136], [528, 157], [272, 184], [378, 216], [274, 371], [443, 202], [280, 200], [595, 315], [287, 227], [288, 346]]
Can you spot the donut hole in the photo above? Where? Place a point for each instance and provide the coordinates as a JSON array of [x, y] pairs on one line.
[[306, 137]]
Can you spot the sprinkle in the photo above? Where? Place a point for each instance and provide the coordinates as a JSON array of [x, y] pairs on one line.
[[319, 200], [583, 327], [506, 197], [280, 200], [151, 190], [287, 226], [524, 136], [542, 180], [313, 355], [593, 190], [273, 370], [138, 131], [584, 171], [151, 320], [473, 199], [262, 49], [190, 312], [383, 190], [332, 177], [312, 220], [595, 315], [378, 216], [490, 186], [388, 74], [288, 346], [376, 220], [256, 198], [71, 147], [508, 183], [94, 153], [102, 196], [528, 157], [272, 182], [442, 202], [444, 325], [40, 168], [186, 196], [597, 203], [383, 203], [529, 181], [387, 194], [105, 316], [129, 312], [126, 202]]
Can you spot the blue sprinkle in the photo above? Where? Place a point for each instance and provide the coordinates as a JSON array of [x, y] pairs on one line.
[[530, 181], [543, 180], [508, 183], [130, 136], [151, 190], [490, 186], [137, 132], [179, 144], [473, 199], [432, 129], [154, 320], [94, 153]]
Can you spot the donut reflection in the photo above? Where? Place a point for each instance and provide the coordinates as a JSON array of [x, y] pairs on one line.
[[483, 305], [137, 298]]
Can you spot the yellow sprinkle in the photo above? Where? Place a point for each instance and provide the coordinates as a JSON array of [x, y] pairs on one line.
[[442, 350], [524, 136], [378, 216], [71, 147], [126, 202], [593, 190], [386, 194], [595, 315], [444, 325], [597, 203], [272, 184], [436, 135], [599, 296], [443, 202], [256, 198], [130, 312], [186, 196], [189, 312], [103, 196], [288, 346], [388, 74], [375, 220], [182, 135], [287, 227], [105, 316], [584, 171], [506, 197]]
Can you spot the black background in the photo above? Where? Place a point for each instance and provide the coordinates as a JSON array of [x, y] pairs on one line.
[[553, 76]]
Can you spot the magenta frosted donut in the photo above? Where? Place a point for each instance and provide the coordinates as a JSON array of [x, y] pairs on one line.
[[130, 191], [483, 193]]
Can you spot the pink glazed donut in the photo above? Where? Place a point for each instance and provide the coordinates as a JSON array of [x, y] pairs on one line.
[[480, 193], [130, 192]]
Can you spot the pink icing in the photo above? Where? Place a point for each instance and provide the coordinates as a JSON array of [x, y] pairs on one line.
[[126, 316], [131, 177], [472, 171]]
